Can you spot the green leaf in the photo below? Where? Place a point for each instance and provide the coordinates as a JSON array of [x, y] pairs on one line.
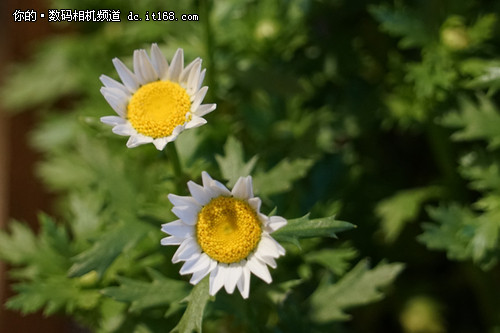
[[193, 316], [142, 295], [483, 29], [18, 246], [482, 171], [64, 171], [464, 234], [401, 23], [52, 75], [453, 231], [434, 76], [476, 122], [232, 165], [336, 260], [42, 255], [358, 287], [402, 207], [281, 177], [56, 293], [490, 79], [303, 227], [107, 247]]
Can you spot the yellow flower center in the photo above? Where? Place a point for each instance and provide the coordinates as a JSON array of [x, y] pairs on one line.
[[156, 108], [228, 229]]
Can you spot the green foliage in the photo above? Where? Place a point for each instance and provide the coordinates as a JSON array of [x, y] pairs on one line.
[[380, 114], [477, 122], [54, 294], [142, 295], [104, 251], [303, 227], [193, 316], [336, 260], [359, 286], [232, 165], [402, 23], [402, 208]]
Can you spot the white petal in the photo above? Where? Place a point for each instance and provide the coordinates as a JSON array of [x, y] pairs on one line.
[[233, 275], [160, 143], [243, 188], [244, 282], [198, 192], [259, 268], [268, 247], [213, 187], [201, 78], [158, 60], [172, 240], [178, 200], [195, 122], [124, 129], [177, 130], [217, 278], [276, 222], [267, 260], [186, 214], [143, 69], [128, 78], [189, 249], [176, 66], [117, 99], [194, 75], [113, 120], [184, 77], [204, 109], [201, 263], [178, 229], [255, 203], [198, 98], [137, 140], [206, 179], [110, 83], [199, 275]]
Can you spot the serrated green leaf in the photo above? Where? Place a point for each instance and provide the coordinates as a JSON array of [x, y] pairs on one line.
[[401, 208], [281, 177], [336, 260], [19, 245], [193, 316], [464, 234], [56, 293], [402, 23], [490, 78], [64, 171], [434, 75], [42, 255], [358, 287], [142, 294], [482, 171], [476, 122], [52, 75], [232, 165], [303, 227], [483, 29], [107, 247], [453, 231]]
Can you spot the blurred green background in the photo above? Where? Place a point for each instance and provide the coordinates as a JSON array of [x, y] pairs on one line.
[[385, 112]]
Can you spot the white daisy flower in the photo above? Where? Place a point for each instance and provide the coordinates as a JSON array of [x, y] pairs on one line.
[[223, 233], [157, 101]]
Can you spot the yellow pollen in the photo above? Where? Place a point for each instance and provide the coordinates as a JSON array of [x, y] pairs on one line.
[[156, 108], [228, 229]]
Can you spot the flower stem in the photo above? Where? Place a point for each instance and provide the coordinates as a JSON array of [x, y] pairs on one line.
[[176, 163]]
